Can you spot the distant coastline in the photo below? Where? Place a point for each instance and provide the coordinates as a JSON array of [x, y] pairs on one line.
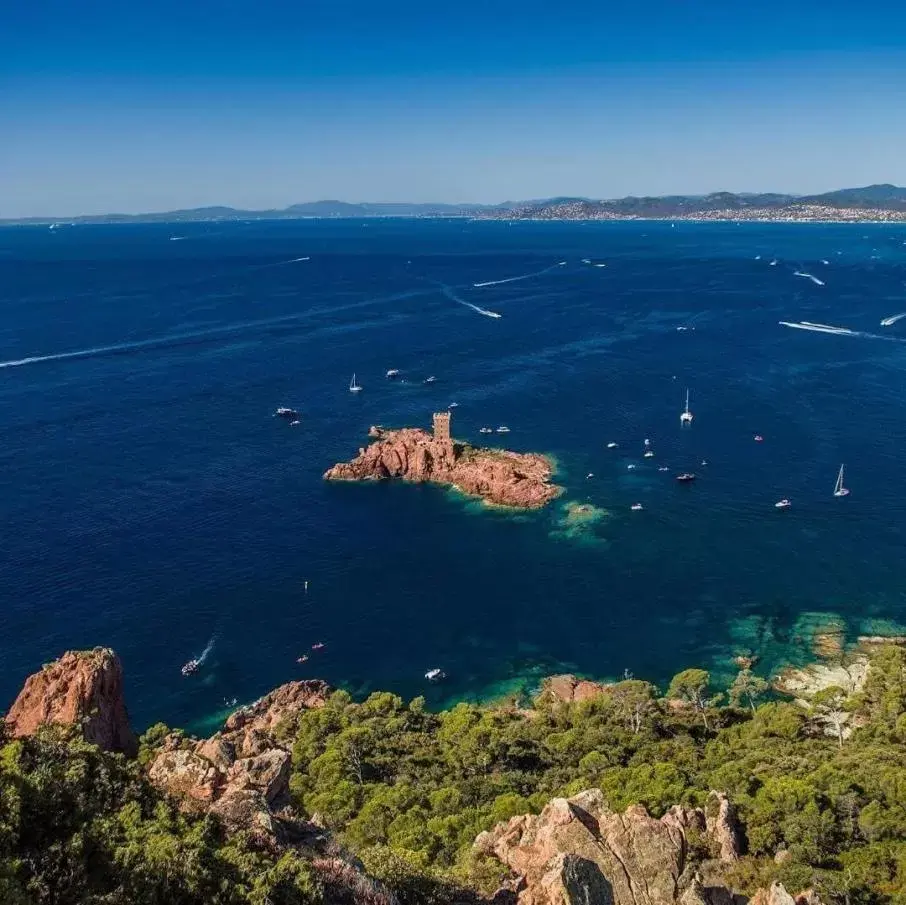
[[870, 204]]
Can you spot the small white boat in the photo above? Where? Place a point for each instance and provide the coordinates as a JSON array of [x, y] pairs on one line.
[[191, 667], [353, 386], [636, 507], [435, 675], [631, 466], [503, 429], [591, 474], [782, 504], [294, 422], [452, 405], [663, 468], [686, 416], [286, 413], [430, 379], [647, 443], [485, 430], [649, 454], [393, 372], [612, 445], [839, 489]]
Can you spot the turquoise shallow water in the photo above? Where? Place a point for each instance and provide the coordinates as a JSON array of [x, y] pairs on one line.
[[151, 502]]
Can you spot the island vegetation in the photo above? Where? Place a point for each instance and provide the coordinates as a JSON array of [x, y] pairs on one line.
[[818, 785]]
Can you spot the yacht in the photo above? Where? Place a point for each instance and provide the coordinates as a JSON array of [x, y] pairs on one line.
[[287, 413], [353, 386], [686, 416], [435, 675], [839, 489], [191, 667]]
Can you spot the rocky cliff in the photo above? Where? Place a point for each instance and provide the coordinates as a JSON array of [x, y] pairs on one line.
[[83, 689], [505, 478], [241, 773], [577, 851]]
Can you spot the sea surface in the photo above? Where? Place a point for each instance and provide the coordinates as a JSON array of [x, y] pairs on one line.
[[150, 500]]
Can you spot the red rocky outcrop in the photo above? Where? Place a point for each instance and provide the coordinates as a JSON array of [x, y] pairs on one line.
[[568, 689], [505, 478], [82, 688]]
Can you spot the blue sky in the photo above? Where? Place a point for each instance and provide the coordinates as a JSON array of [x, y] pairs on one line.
[[137, 106]]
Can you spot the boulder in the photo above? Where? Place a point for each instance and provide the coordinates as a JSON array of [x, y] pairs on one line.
[[723, 827], [83, 689]]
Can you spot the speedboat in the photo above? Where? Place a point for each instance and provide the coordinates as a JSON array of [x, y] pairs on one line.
[[686, 477], [486, 430], [758, 438], [287, 413], [631, 466], [649, 454], [612, 445], [453, 405], [191, 667], [663, 468], [782, 504], [430, 379], [435, 675], [393, 372], [503, 430], [318, 645], [636, 507], [294, 422], [686, 415]]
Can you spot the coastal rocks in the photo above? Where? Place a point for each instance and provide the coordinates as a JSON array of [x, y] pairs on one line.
[[568, 689], [801, 684], [81, 688], [578, 851], [504, 478], [241, 774]]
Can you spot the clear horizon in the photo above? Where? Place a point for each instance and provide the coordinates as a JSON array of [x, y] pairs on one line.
[[114, 109]]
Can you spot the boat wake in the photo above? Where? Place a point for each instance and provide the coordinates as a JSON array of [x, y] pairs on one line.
[[200, 659], [821, 328], [890, 321], [525, 276], [450, 294], [808, 276]]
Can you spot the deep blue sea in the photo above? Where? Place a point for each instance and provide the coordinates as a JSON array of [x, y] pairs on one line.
[[151, 502]]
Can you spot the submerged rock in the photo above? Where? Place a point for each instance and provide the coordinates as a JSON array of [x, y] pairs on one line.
[[82, 688]]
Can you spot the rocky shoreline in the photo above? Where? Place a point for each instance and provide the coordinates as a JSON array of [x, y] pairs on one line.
[[499, 477]]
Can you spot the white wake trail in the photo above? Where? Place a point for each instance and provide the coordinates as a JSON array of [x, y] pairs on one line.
[[889, 321], [207, 651], [808, 276], [450, 294], [525, 276]]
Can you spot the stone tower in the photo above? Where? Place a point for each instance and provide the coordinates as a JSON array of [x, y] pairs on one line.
[[442, 426]]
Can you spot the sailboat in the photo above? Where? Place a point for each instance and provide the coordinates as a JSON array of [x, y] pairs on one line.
[[839, 489], [353, 386], [686, 416]]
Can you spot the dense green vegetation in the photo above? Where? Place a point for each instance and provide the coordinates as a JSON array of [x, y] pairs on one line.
[[821, 792], [81, 826]]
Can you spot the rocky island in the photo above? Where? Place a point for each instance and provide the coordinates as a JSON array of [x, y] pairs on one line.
[[520, 480]]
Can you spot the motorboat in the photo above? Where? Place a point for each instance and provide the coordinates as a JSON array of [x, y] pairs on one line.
[[649, 454], [758, 438], [612, 445], [435, 675], [687, 477], [503, 430], [191, 667], [318, 645], [287, 413], [631, 466], [393, 373], [636, 507], [839, 489], [486, 430], [294, 422], [663, 468], [431, 379], [782, 504]]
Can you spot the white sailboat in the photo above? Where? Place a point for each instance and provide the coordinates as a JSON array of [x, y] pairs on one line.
[[839, 489], [353, 386], [686, 416]]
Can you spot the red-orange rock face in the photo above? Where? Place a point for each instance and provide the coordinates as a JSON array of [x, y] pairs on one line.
[[80, 689], [505, 478]]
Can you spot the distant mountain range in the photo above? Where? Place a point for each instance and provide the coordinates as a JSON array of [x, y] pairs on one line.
[[886, 202]]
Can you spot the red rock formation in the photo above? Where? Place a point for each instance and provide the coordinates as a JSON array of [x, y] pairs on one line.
[[241, 773], [82, 688], [568, 689], [505, 478], [578, 851]]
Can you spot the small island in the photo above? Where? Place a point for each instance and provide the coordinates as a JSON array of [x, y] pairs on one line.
[[499, 477]]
